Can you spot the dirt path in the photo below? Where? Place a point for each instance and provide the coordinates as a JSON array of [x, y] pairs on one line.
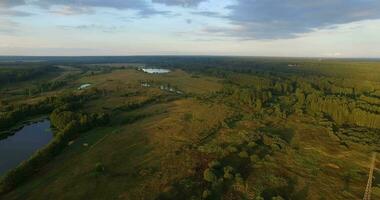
[[368, 189]]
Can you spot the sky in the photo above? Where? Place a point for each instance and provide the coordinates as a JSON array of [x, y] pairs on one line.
[[286, 28]]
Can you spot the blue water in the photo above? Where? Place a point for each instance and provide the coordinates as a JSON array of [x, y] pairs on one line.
[[22, 145]]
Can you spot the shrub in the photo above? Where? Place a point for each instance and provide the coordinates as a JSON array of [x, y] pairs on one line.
[[277, 198], [206, 193], [243, 154], [232, 149], [252, 144], [254, 158], [209, 175], [238, 178], [214, 164], [259, 197], [99, 167], [228, 172]]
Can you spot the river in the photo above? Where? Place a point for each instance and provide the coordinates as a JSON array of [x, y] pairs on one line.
[[23, 144]]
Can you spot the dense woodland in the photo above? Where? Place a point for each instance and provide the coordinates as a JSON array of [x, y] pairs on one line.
[[11, 73]]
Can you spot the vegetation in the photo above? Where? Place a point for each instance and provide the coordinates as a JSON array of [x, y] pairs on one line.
[[11, 73], [240, 128]]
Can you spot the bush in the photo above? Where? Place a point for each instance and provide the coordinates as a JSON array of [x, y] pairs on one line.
[[228, 172], [277, 198], [209, 175], [232, 149], [214, 164], [243, 154], [206, 193], [251, 144], [254, 158], [238, 178], [259, 198], [99, 167]]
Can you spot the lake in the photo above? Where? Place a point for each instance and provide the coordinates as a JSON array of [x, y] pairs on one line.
[[156, 71], [84, 86], [20, 146]]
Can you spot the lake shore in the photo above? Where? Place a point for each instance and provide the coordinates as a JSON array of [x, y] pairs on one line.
[[7, 133]]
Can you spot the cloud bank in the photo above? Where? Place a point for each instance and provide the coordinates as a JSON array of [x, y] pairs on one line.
[[11, 3], [245, 19], [278, 19], [184, 3]]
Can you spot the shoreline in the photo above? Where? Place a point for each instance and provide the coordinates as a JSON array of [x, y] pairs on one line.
[[14, 129]]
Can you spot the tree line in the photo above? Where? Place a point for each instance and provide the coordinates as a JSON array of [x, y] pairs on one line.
[[16, 73]]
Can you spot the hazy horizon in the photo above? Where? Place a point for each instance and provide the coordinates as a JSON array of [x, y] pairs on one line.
[[187, 55]]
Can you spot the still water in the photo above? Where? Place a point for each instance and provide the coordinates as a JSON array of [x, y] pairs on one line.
[[22, 145], [156, 71]]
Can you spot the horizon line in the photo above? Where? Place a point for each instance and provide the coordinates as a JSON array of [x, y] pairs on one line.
[[187, 55]]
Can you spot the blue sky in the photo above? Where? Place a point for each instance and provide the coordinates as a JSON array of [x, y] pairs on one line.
[[305, 28]]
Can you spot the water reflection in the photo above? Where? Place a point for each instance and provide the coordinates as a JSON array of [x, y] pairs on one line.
[[20, 146]]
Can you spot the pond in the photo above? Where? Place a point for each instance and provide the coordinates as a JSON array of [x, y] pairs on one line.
[[156, 71], [20, 146], [84, 86]]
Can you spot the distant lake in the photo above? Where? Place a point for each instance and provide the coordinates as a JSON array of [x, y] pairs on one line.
[[156, 71], [20, 146]]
